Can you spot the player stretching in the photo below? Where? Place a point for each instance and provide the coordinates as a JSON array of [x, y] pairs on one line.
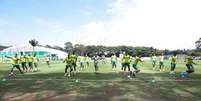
[[23, 60], [35, 62], [15, 64], [30, 62]]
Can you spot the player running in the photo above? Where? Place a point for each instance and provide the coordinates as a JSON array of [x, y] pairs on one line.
[[68, 60], [136, 69], [153, 60], [23, 60], [30, 62], [161, 63], [173, 63], [74, 61], [127, 60], [15, 64], [114, 62], [189, 64], [35, 62], [47, 60]]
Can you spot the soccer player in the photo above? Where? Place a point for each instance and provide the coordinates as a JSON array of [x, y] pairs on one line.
[[47, 60], [35, 61], [15, 64], [127, 60], [96, 59], [114, 62], [30, 62], [122, 61], [153, 60], [189, 63], [68, 61], [23, 60], [81, 59], [135, 67], [173, 63], [74, 61], [161, 63], [87, 60]]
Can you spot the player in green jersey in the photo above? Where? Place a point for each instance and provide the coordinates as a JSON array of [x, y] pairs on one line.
[[68, 60], [30, 62], [35, 62], [136, 69], [23, 60], [127, 60], [189, 63], [15, 64], [161, 63], [114, 62], [74, 61], [153, 60], [173, 63]]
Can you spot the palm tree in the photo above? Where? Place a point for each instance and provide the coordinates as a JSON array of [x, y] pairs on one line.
[[33, 43], [198, 44]]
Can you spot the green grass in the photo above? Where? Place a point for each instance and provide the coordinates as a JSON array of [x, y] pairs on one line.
[[49, 84]]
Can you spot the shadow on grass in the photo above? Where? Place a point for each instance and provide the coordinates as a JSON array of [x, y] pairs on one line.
[[110, 90]]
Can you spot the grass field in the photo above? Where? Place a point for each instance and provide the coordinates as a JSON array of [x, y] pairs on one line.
[[49, 84]]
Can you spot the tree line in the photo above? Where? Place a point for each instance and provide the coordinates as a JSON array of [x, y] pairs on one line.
[[109, 50]]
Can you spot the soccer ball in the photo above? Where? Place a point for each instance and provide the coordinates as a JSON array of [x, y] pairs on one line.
[[153, 81], [3, 80], [184, 74], [76, 80]]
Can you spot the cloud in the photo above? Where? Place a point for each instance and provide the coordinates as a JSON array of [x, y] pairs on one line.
[[171, 24]]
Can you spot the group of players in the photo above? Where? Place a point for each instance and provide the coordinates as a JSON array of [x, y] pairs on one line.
[[24, 63], [30, 63]]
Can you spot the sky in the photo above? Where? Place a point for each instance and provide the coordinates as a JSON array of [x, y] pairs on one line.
[[163, 24]]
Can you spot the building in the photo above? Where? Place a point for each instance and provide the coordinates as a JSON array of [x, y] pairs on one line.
[[28, 49]]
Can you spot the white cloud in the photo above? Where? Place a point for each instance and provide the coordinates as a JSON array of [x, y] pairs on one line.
[[172, 24]]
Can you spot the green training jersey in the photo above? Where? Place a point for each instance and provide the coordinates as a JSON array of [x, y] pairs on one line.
[[126, 58], [14, 61], [35, 59], [81, 59], [153, 58], [30, 58], [113, 58], [68, 61], [173, 59], [189, 60], [136, 60], [23, 58], [74, 58], [161, 58]]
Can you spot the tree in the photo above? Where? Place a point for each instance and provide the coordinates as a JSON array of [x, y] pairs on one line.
[[198, 44], [68, 46], [33, 43], [58, 48], [48, 46]]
